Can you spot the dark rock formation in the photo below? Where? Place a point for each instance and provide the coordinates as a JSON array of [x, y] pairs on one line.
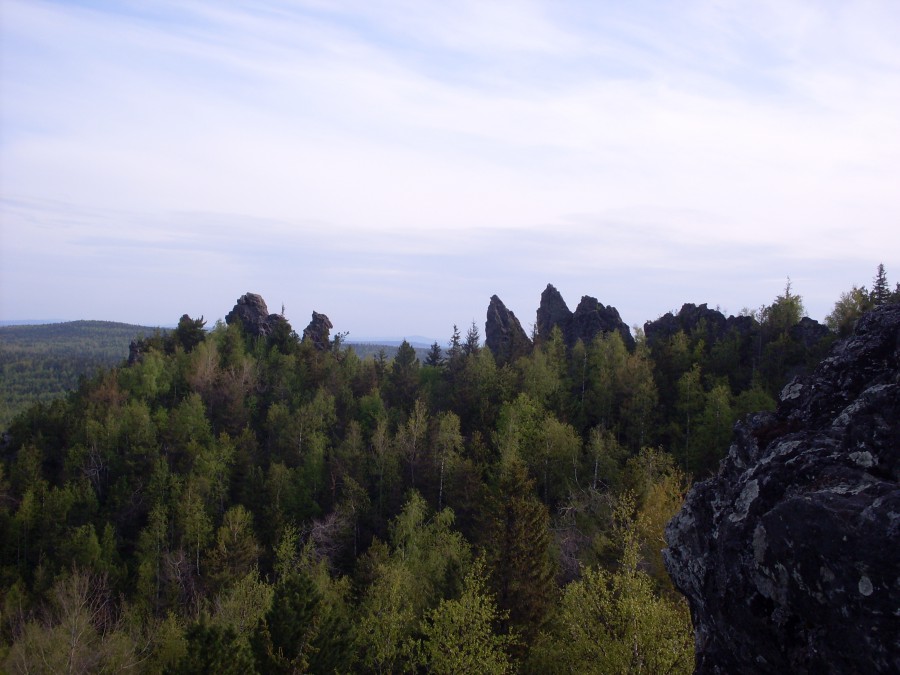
[[592, 318], [253, 315], [808, 332], [136, 351], [692, 318], [789, 556], [503, 334], [589, 320], [318, 331], [553, 311]]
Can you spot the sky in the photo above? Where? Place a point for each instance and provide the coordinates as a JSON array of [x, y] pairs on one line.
[[393, 164]]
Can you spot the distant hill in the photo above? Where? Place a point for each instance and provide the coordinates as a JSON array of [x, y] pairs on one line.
[[41, 362], [372, 349], [417, 341]]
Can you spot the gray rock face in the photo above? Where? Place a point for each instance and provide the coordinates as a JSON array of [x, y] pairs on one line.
[[503, 334], [318, 331], [789, 556], [253, 315], [589, 320]]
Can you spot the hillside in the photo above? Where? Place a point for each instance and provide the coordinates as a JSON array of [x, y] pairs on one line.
[[258, 498], [41, 362]]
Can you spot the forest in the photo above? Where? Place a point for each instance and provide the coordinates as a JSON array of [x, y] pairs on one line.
[[235, 503], [41, 362]]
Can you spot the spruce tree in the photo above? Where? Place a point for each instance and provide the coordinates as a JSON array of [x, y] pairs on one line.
[[522, 559], [881, 291], [454, 351], [473, 340], [435, 357]]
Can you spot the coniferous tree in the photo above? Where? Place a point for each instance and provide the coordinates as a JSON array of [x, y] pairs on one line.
[[473, 340], [881, 291], [283, 641], [403, 379], [213, 649], [189, 332], [435, 357], [454, 350], [521, 552]]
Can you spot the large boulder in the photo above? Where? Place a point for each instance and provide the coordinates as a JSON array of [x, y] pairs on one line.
[[789, 555], [503, 334]]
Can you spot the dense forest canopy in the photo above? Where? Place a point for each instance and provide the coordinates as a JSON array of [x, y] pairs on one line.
[[231, 502], [41, 362]]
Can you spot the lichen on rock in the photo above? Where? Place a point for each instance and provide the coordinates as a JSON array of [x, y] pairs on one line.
[[789, 555]]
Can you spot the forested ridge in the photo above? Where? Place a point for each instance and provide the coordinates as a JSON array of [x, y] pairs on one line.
[[232, 502], [41, 362]]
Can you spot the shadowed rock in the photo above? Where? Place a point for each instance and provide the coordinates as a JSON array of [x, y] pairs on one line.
[[503, 334], [552, 311], [691, 318], [253, 316], [591, 318], [318, 331], [808, 332], [788, 557]]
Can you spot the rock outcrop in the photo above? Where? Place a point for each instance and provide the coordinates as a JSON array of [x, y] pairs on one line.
[[553, 311], [691, 318], [808, 332], [503, 334], [318, 332], [789, 555], [589, 319], [253, 316]]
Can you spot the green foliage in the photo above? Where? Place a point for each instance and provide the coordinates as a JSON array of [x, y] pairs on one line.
[[189, 332], [213, 649], [847, 310], [425, 564], [786, 311], [262, 504], [520, 552], [881, 290], [41, 363], [282, 642], [459, 636]]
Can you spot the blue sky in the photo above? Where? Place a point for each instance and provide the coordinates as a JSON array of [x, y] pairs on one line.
[[394, 164]]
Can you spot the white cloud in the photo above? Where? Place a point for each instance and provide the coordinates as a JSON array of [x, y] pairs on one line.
[[625, 136]]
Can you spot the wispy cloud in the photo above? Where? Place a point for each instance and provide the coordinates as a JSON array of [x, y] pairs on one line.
[[489, 142]]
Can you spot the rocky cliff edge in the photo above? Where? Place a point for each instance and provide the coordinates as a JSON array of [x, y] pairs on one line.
[[790, 555]]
